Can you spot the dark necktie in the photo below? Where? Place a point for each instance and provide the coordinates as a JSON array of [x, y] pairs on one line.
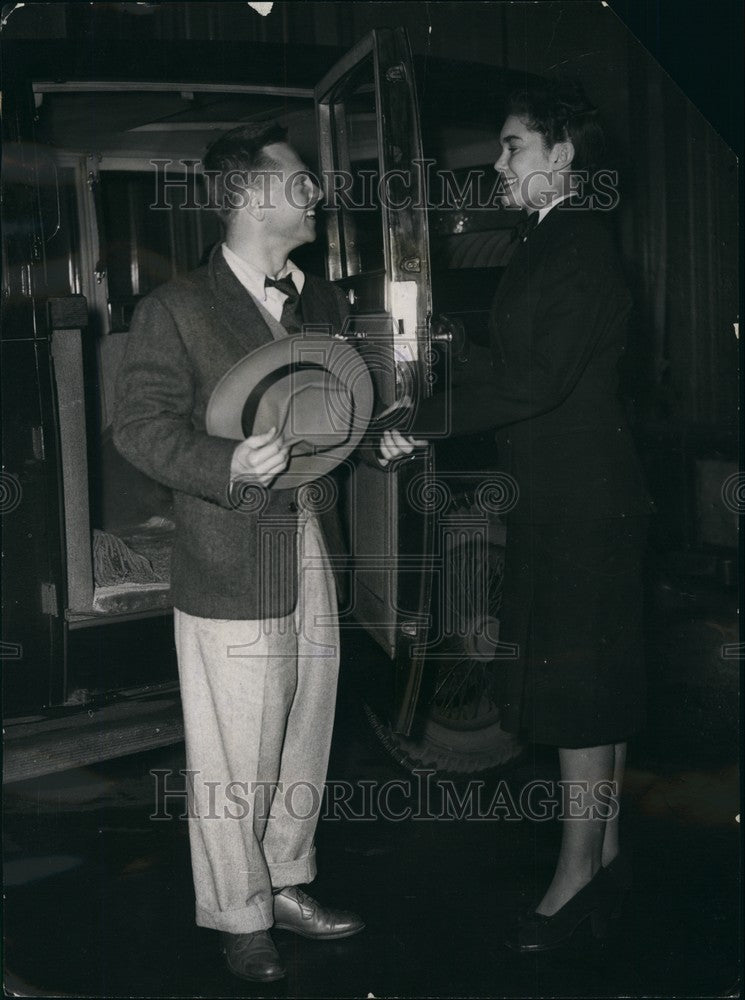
[[292, 314], [524, 227]]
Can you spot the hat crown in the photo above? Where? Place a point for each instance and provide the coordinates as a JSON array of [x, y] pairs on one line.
[[317, 392]]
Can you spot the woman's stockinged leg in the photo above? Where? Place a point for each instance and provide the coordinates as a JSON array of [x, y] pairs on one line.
[[585, 774], [610, 838]]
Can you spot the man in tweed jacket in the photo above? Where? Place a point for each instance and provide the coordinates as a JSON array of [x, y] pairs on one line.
[[256, 636]]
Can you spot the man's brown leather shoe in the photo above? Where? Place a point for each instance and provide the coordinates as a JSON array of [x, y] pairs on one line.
[[295, 910], [253, 956]]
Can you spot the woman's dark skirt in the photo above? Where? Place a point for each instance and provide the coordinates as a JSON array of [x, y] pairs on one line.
[[572, 606]]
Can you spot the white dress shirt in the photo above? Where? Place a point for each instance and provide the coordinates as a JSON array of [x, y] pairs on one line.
[[252, 279]]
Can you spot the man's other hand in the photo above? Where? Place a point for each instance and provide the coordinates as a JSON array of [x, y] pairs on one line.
[[260, 458], [394, 444]]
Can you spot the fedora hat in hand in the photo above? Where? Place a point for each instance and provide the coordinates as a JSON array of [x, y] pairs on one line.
[[316, 390]]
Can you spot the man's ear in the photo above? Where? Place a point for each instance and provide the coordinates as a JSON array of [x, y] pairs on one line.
[[562, 155], [253, 201]]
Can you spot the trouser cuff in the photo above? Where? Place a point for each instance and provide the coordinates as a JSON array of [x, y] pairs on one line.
[[295, 872], [258, 916]]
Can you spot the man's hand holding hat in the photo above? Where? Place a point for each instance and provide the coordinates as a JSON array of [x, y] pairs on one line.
[[298, 405], [260, 458]]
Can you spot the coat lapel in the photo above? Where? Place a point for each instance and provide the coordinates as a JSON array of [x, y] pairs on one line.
[[242, 317], [528, 254], [516, 270], [235, 306]]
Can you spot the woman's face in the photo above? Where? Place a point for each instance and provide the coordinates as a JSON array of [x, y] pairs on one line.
[[525, 166]]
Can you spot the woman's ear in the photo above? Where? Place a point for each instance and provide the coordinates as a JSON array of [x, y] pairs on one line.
[[562, 155]]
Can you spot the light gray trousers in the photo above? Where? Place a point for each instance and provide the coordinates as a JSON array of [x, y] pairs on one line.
[[258, 700]]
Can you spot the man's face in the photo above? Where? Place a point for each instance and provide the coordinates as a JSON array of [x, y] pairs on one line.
[[289, 199], [525, 166]]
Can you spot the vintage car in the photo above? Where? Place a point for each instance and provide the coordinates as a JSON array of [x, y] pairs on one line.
[[101, 203]]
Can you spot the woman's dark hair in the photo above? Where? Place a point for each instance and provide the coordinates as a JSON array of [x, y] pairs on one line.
[[560, 110], [242, 150]]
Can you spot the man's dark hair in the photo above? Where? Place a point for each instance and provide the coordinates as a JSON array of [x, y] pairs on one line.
[[240, 151], [560, 110]]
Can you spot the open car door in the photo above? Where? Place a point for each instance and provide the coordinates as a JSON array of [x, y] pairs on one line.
[[371, 160]]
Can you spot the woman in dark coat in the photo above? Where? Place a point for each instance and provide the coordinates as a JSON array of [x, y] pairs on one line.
[[575, 538]]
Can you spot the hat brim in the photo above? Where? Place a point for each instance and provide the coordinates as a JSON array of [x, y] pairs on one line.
[[226, 405]]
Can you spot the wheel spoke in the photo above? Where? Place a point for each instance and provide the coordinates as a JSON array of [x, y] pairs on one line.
[[447, 672], [470, 596], [464, 675]]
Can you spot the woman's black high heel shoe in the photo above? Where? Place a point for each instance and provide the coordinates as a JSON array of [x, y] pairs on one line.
[[536, 932], [619, 871]]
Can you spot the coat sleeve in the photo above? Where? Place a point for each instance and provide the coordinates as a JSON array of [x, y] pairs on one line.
[[579, 296], [153, 426]]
